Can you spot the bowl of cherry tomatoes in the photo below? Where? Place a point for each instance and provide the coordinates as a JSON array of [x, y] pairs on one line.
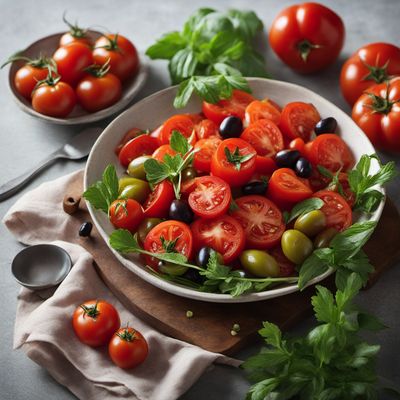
[[71, 80]]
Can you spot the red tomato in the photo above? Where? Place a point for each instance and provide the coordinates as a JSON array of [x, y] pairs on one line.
[[75, 34], [261, 221], [126, 214], [159, 200], [139, 146], [71, 62], [297, 144], [344, 190], [128, 348], [162, 151], [95, 322], [205, 150], [95, 93], [377, 113], [264, 136], [210, 197], [330, 151], [205, 129], [124, 59], [235, 174], [265, 165], [236, 106], [286, 267], [181, 123], [298, 120], [196, 118], [27, 77], [307, 37], [56, 99], [132, 133], [156, 134], [168, 230], [337, 212], [369, 65], [223, 234], [285, 188], [262, 109]]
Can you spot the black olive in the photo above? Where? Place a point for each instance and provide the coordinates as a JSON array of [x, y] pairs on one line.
[[287, 158], [256, 187], [326, 125], [194, 276], [85, 229], [180, 211], [203, 256], [231, 127], [303, 168]]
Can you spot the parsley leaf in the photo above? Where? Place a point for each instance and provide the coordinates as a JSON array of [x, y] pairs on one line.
[[236, 158], [304, 207], [179, 143]]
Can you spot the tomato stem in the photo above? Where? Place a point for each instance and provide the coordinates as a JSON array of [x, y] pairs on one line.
[[98, 70], [90, 311], [128, 336], [305, 47], [381, 105], [51, 79], [75, 31], [112, 44], [376, 73], [40, 62]]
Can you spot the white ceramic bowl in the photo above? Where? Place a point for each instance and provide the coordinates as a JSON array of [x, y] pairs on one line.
[[152, 111], [47, 46]]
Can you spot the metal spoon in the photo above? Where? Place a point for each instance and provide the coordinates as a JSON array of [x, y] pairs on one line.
[[79, 147]]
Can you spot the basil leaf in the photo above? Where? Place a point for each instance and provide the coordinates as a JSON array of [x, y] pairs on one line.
[[246, 23], [123, 241], [314, 265], [185, 91], [304, 207], [182, 65], [179, 143], [167, 46], [191, 24], [251, 63]]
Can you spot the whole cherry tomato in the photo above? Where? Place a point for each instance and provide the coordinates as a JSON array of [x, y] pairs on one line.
[[369, 65], [121, 53], [129, 135], [126, 214], [377, 113], [307, 37], [128, 348], [159, 200], [95, 322], [75, 34], [142, 145]]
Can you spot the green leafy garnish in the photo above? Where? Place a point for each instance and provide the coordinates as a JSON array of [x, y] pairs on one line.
[[179, 143], [331, 362], [236, 158], [334, 183], [169, 245], [102, 193], [304, 207]]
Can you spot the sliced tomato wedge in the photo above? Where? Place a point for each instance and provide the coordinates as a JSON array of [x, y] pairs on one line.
[[139, 146], [210, 197], [236, 106], [265, 136], [337, 212], [265, 166], [159, 200], [262, 109], [206, 128], [223, 234], [162, 151], [168, 231], [205, 148], [261, 221], [181, 123]]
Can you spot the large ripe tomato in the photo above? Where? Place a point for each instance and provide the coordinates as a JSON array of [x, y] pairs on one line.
[[128, 348], [234, 173], [331, 151], [223, 234], [126, 214], [159, 200], [307, 37], [181, 123], [121, 53], [261, 221], [337, 212], [262, 109], [206, 129], [298, 119], [56, 99], [142, 145], [95, 322], [236, 106], [165, 233], [264, 136], [71, 62], [369, 65], [210, 197], [377, 113], [205, 148]]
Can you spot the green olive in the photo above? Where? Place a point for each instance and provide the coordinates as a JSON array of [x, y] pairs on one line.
[[124, 181], [136, 167], [138, 191], [188, 173], [171, 269], [145, 227], [323, 239], [259, 263], [296, 245], [311, 223]]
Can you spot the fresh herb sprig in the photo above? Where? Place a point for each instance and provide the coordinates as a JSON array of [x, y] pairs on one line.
[[331, 362], [236, 158], [302, 208]]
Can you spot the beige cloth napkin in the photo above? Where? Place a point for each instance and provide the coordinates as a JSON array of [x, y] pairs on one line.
[[43, 326]]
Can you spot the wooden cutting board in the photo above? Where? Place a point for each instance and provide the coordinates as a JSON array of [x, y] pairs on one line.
[[211, 324]]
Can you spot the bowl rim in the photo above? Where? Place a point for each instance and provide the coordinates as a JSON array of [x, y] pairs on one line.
[[184, 291]]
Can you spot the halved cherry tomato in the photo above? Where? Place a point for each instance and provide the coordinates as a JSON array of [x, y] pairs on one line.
[[261, 221], [132, 133], [331, 152], [162, 151], [285, 188], [205, 150], [262, 109], [126, 214], [235, 174], [181, 123], [236, 106], [337, 211], [298, 119], [264, 136], [142, 145], [168, 230], [344, 189], [159, 200], [223, 234], [210, 197], [286, 267], [265, 165], [205, 129]]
